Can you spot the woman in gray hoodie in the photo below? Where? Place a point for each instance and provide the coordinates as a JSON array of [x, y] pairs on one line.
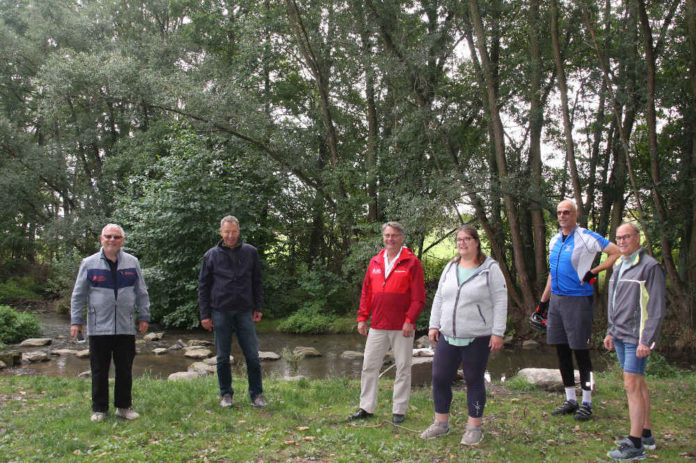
[[467, 322]]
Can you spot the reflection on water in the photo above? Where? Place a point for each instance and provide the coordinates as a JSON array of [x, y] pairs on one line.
[[503, 364]]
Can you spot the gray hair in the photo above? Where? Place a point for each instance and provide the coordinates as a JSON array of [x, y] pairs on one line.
[[395, 226], [572, 204], [229, 219], [633, 225], [113, 225]]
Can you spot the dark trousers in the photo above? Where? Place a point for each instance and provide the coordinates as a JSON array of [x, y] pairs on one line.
[[224, 324], [101, 349], [473, 359]]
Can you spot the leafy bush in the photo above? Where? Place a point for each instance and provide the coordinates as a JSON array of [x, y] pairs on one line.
[[17, 326], [307, 321], [659, 367], [19, 288]]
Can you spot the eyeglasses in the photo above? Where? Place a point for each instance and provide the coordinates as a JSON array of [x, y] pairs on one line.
[[564, 212], [114, 237], [625, 237], [466, 239], [388, 236]]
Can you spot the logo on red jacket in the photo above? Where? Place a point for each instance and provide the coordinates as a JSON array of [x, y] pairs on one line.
[[376, 270]]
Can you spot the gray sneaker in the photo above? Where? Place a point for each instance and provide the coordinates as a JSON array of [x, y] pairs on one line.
[[472, 436], [97, 416], [627, 452], [226, 401], [259, 401], [648, 442], [435, 430], [126, 413]]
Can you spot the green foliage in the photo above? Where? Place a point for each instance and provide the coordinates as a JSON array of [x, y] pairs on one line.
[[658, 367], [307, 321], [17, 326], [22, 288], [172, 214]]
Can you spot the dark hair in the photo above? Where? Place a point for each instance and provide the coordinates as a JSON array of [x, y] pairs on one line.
[[471, 231]]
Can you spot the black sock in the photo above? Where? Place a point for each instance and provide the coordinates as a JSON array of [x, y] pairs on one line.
[[647, 433], [636, 441]]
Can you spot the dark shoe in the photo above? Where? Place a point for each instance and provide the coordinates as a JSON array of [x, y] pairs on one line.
[[568, 407], [359, 415], [226, 401], [397, 418], [259, 401], [584, 413], [648, 442]]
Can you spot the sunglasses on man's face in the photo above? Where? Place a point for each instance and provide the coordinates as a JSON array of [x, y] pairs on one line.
[[114, 237], [564, 212]]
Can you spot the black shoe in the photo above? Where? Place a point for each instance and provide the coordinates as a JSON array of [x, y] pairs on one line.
[[397, 418], [584, 413], [568, 407], [359, 415]]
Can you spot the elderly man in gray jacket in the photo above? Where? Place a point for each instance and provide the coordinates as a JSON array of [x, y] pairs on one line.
[[110, 284], [636, 307]]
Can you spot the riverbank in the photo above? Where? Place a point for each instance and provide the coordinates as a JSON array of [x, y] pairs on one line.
[[44, 418]]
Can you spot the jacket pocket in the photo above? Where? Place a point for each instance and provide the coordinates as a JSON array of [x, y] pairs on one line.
[[478, 307]]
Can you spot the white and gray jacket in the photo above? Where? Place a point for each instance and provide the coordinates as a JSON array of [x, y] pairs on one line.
[[94, 288], [477, 307], [637, 310]]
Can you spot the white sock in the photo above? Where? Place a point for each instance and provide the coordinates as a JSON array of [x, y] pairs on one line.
[[587, 396], [570, 393]]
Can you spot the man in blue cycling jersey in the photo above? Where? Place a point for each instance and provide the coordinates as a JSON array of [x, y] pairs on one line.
[[568, 294]]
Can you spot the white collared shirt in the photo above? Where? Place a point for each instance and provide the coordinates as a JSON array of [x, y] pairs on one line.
[[388, 266]]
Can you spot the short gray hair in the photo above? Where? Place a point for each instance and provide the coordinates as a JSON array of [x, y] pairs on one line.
[[395, 226], [229, 219], [572, 204], [113, 225], [633, 225]]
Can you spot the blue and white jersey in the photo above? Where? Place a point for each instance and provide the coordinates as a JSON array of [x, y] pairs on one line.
[[571, 259]]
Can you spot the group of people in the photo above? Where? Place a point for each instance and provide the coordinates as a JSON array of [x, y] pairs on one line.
[[467, 321]]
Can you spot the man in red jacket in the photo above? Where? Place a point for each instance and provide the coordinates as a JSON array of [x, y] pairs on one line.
[[393, 293]]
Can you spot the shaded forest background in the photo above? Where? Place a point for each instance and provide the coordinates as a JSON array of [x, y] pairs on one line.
[[315, 121]]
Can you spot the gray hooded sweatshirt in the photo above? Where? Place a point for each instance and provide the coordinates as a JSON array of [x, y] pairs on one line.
[[476, 308]]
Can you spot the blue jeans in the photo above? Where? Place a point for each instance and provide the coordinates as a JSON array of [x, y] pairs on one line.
[[224, 324], [626, 352]]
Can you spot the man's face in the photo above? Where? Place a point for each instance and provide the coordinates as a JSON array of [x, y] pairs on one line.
[[627, 239], [112, 240], [567, 216], [393, 239], [230, 234]]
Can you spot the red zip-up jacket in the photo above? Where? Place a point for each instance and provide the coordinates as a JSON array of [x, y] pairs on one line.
[[398, 298]]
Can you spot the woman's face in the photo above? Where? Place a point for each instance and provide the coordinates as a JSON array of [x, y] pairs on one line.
[[467, 246]]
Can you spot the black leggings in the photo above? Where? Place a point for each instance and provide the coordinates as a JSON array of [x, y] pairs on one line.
[[565, 364]]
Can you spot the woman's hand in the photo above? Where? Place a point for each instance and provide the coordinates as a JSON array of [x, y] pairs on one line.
[[433, 335], [496, 343]]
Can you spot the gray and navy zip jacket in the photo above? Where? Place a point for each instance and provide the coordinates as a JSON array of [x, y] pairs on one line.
[[94, 288], [571, 259], [475, 308], [635, 314]]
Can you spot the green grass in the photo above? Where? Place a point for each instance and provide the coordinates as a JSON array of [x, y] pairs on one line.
[[47, 419]]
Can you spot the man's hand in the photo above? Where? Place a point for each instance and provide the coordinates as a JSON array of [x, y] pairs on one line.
[[542, 307], [257, 317], [609, 342], [207, 323], [433, 335], [642, 351], [408, 329], [589, 278], [362, 328], [142, 326], [496, 343], [74, 329]]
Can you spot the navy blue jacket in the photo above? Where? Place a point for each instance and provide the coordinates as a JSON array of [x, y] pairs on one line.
[[230, 280]]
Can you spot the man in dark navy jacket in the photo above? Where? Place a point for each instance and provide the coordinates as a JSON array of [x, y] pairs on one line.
[[230, 297]]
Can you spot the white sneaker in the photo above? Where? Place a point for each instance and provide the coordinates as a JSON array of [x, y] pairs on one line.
[[435, 430], [226, 401], [97, 416], [472, 436], [126, 413]]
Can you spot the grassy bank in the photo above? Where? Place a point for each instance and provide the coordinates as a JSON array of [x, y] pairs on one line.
[[47, 419]]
